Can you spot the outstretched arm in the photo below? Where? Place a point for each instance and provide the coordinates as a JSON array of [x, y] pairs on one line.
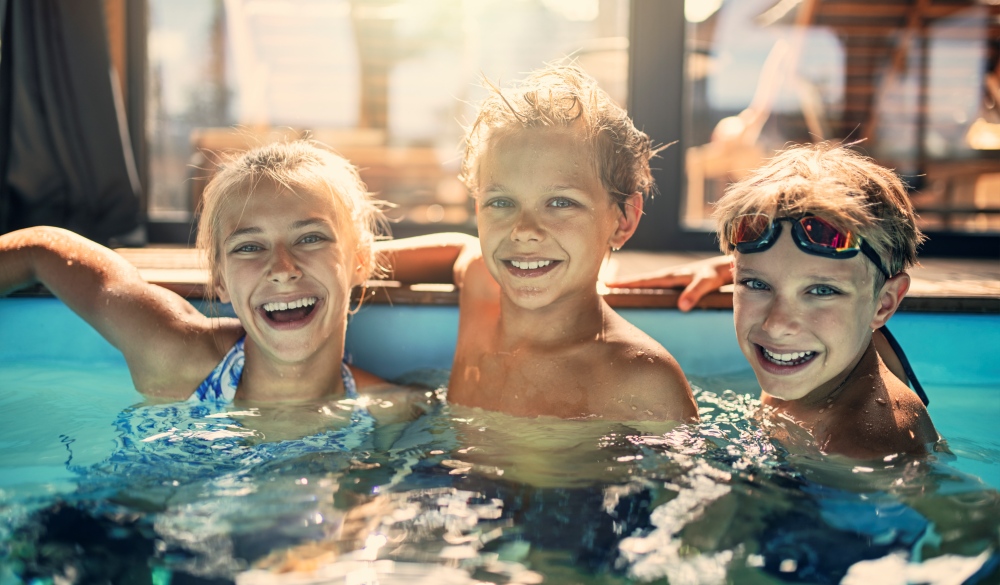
[[432, 258], [698, 279], [154, 328]]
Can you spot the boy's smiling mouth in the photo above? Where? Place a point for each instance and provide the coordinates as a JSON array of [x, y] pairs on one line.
[[786, 358], [281, 312], [530, 268]]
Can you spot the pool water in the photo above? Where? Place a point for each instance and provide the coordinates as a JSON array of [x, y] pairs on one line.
[[466, 496]]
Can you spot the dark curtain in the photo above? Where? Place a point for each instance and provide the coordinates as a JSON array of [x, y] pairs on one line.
[[65, 155]]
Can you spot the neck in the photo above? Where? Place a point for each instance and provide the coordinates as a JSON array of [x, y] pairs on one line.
[[568, 320], [266, 379]]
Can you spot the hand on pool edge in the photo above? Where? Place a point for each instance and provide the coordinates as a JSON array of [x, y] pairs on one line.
[[698, 279]]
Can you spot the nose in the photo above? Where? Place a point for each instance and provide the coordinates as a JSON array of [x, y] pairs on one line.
[[526, 228], [283, 267], [782, 318]]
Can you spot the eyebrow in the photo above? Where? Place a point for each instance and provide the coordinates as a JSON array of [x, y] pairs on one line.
[[296, 225], [493, 188], [737, 271], [556, 188]]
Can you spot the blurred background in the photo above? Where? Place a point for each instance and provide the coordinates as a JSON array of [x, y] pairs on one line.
[[390, 83]]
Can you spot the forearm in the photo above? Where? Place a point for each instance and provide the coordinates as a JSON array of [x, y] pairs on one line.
[[95, 282], [72, 267], [429, 258], [17, 269]]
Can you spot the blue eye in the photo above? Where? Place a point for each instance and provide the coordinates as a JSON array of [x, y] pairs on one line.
[[499, 203], [311, 239], [247, 249], [753, 284], [823, 290], [561, 202]]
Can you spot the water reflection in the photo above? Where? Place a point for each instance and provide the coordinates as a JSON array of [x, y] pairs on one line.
[[469, 496]]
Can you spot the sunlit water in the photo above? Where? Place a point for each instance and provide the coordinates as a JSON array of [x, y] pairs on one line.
[[467, 496]]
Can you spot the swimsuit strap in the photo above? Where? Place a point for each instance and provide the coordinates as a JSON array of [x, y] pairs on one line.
[[350, 386], [220, 385], [912, 377]]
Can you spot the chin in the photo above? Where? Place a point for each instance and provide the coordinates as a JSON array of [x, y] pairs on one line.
[[529, 298], [784, 392]]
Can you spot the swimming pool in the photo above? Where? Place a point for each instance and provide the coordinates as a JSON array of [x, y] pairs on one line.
[[467, 496]]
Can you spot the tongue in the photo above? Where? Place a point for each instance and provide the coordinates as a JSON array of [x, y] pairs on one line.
[[289, 314]]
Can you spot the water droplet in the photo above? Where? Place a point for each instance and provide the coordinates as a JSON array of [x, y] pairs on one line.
[[881, 401]]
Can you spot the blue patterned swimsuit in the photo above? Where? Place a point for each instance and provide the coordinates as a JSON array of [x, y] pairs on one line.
[[204, 436]]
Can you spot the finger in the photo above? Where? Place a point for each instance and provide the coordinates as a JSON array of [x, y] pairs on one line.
[[695, 291]]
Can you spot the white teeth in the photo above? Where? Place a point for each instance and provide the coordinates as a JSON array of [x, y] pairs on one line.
[[787, 357], [530, 265], [280, 306]]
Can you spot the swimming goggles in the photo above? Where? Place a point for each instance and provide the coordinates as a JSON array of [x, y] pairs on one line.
[[756, 232]]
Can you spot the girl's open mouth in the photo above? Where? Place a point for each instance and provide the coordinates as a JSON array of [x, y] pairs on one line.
[[281, 312]]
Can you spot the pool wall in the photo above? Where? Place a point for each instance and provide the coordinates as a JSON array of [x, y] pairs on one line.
[[946, 349]]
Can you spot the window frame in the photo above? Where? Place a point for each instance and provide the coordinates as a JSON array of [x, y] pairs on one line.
[[656, 43]]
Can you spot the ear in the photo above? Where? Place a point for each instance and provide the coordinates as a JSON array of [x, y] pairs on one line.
[[220, 290], [628, 220], [889, 298], [363, 259]]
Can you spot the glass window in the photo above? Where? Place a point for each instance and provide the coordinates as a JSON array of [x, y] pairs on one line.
[[387, 83], [917, 82]]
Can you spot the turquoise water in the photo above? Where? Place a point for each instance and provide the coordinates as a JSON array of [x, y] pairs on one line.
[[467, 496]]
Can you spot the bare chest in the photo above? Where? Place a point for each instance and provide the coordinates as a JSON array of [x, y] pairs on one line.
[[524, 383]]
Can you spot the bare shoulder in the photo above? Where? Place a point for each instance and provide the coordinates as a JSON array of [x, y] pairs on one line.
[[474, 279], [184, 357], [893, 420], [650, 377], [479, 299], [910, 416]]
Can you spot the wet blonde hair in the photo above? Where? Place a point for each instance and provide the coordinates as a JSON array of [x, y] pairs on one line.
[[832, 181], [564, 96], [293, 166]]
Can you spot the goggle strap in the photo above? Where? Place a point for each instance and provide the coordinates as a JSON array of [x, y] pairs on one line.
[[868, 251]]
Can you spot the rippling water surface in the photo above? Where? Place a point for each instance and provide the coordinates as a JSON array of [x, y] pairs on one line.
[[466, 496]]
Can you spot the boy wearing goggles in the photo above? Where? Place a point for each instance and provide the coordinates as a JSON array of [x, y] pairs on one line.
[[820, 239]]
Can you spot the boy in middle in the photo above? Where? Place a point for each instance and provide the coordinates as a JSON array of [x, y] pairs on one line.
[[558, 173]]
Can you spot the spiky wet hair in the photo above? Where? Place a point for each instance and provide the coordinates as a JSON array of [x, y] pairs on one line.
[[833, 181], [564, 96]]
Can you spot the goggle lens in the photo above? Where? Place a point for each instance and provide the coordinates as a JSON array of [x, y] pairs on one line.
[[749, 228], [822, 233]]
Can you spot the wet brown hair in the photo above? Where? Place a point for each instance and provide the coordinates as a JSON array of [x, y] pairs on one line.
[[842, 186], [564, 96], [290, 167]]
